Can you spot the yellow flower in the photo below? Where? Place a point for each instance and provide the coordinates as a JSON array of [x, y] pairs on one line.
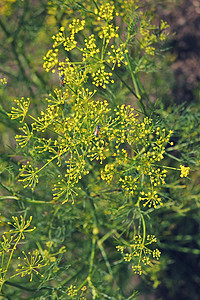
[[184, 171], [21, 110], [3, 80]]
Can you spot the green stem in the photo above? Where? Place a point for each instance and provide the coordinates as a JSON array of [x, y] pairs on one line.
[[136, 86], [144, 92], [27, 289], [19, 286], [179, 146], [180, 248], [126, 85], [75, 275], [44, 166], [24, 199], [46, 127], [165, 167], [107, 235], [95, 4], [172, 156], [18, 197], [144, 229], [94, 239], [99, 243], [11, 254]]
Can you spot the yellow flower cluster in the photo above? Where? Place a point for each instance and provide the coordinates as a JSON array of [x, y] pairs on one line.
[[74, 76], [20, 226], [90, 49], [31, 263], [24, 139], [108, 32], [76, 26], [72, 291], [59, 97], [47, 118], [151, 198], [163, 34], [101, 77], [129, 184], [116, 56], [3, 80], [138, 163], [50, 60], [157, 176], [64, 190], [29, 175], [105, 12], [108, 173], [127, 7], [9, 249], [184, 171], [59, 38], [139, 252], [21, 110], [95, 59], [147, 38], [150, 35], [69, 42], [131, 146]]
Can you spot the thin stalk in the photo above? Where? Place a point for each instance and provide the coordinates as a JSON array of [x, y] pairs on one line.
[[25, 199], [126, 85], [107, 235], [27, 289], [144, 229], [95, 4], [10, 257], [46, 127], [19, 286], [72, 277], [44, 166], [144, 92], [136, 86], [105, 257], [180, 248], [94, 294], [94, 239]]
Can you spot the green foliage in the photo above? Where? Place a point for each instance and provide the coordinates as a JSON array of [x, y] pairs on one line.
[[93, 170]]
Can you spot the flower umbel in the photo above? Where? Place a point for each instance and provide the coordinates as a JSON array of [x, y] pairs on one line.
[[139, 253], [20, 226], [184, 171], [150, 198], [29, 175], [31, 264], [72, 291], [24, 139], [9, 244], [21, 111]]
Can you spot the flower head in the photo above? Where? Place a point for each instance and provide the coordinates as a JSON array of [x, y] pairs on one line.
[[21, 110], [184, 171], [20, 226]]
